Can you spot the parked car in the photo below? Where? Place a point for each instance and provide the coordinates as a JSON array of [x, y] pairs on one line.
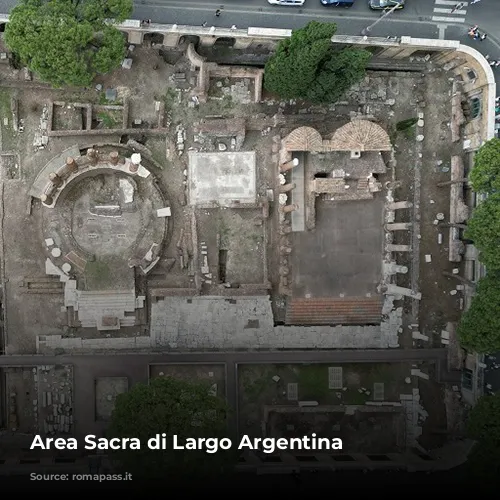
[[289, 3], [337, 3], [386, 4]]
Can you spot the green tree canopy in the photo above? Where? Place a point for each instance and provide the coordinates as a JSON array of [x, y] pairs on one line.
[[485, 176], [175, 407], [68, 42], [484, 419], [483, 228], [308, 66], [483, 425], [479, 327]]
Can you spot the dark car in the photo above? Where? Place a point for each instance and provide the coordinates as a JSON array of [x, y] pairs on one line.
[[386, 4], [337, 3]]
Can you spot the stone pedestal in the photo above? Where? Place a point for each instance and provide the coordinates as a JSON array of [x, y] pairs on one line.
[[398, 226], [406, 292], [399, 204], [397, 248], [391, 268]]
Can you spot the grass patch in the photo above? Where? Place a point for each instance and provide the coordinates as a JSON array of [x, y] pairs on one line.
[[407, 128], [97, 274], [256, 386], [158, 150], [9, 136], [107, 119], [313, 382], [169, 98]]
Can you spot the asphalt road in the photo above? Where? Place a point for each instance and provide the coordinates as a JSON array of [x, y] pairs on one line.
[[415, 20]]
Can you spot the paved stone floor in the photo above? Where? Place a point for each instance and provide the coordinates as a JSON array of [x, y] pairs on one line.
[[343, 255]]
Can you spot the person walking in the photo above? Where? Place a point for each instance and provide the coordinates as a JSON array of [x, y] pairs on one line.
[[483, 37], [218, 13], [203, 24], [457, 7]]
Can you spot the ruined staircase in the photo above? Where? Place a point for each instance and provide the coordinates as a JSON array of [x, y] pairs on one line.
[[338, 311]]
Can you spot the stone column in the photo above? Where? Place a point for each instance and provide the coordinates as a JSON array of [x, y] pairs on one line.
[[284, 271], [406, 292], [289, 165], [55, 179], [135, 162], [289, 208], [92, 156], [393, 268], [397, 248], [399, 226], [46, 199], [396, 268], [114, 157], [71, 165], [287, 187], [399, 204]]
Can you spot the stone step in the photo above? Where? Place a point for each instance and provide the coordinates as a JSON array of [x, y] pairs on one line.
[[107, 293], [330, 311], [107, 303]]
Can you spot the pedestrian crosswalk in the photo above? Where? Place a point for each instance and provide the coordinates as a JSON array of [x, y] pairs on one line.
[[446, 11]]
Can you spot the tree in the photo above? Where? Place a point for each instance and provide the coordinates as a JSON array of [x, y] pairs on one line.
[[68, 42], [484, 419], [479, 327], [484, 426], [308, 66], [485, 176], [174, 407], [483, 228]]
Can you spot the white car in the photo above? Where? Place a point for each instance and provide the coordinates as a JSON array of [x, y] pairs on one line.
[[291, 3]]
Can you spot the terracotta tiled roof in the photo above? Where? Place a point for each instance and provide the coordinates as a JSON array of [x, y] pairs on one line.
[[362, 135], [304, 139], [330, 311], [357, 135]]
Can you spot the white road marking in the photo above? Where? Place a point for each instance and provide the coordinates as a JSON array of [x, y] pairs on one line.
[[442, 29], [450, 2], [450, 11], [448, 19]]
